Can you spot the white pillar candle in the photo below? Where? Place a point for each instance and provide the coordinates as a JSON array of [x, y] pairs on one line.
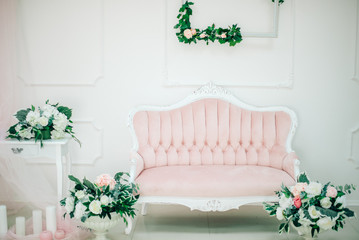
[[20, 226], [3, 220], [37, 221], [51, 219]]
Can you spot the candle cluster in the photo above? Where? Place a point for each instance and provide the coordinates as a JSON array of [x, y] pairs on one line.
[[20, 229]]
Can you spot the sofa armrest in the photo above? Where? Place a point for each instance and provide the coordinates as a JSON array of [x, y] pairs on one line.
[[291, 165], [136, 165]]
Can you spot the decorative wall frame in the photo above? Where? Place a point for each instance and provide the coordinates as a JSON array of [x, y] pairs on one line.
[[352, 158], [97, 151], [26, 75], [287, 82]]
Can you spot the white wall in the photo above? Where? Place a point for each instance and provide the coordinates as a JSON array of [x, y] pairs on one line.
[[103, 57]]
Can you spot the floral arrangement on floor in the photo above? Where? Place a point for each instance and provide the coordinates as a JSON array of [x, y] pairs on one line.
[[105, 196], [189, 35], [312, 205], [50, 121]]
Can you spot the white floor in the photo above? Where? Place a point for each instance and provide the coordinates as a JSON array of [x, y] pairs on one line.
[[179, 223], [248, 223]]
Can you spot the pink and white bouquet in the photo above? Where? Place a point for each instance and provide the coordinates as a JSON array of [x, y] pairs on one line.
[[311, 207], [50, 121], [105, 196]]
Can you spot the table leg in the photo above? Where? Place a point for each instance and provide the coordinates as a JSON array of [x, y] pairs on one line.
[[59, 172], [68, 170]]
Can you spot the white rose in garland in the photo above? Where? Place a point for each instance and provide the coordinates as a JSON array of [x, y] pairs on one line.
[[314, 188], [47, 122]]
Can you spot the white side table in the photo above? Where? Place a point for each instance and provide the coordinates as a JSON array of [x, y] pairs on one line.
[[55, 150]]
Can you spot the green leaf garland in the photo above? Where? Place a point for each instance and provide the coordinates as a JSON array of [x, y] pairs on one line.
[[189, 35]]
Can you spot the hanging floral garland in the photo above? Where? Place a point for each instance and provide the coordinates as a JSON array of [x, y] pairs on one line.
[[186, 34]]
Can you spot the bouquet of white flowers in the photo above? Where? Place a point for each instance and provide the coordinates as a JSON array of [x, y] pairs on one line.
[[47, 122], [311, 206], [105, 196]]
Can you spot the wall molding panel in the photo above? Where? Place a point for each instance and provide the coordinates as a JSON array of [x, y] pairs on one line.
[[91, 137], [354, 141], [171, 80], [72, 56]]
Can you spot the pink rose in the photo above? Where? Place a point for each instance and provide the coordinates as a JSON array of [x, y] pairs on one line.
[[223, 35], [105, 180], [331, 192], [298, 188], [193, 31], [203, 35], [187, 33], [297, 202]]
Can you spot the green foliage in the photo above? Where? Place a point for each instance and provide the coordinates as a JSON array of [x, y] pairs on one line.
[[303, 178], [21, 114], [280, 1], [65, 110]]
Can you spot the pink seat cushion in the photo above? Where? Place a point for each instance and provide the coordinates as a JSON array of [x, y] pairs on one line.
[[212, 181]]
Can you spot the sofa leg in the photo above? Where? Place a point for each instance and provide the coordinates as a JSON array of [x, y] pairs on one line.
[[128, 229], [144, 209]]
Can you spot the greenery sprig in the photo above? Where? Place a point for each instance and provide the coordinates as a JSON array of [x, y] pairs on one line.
[[189, 35]]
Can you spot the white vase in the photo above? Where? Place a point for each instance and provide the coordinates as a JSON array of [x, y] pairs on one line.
[[100, 226], [305, 232]]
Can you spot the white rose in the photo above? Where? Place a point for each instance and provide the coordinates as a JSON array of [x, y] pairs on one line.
[[279, 214], [325, 202], [314, 214], [105, 200], [95, 207], [314, 188], [80, 210], [32, 117], [70, 201], [43, 121], [26, 133], [302, 219], [326, 223], [18, 128], [341, 200], [57, 134], [49, 110], [80, 194], [285, 202], [60, 122]]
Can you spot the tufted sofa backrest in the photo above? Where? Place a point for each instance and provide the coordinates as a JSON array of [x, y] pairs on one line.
[[212, 132]]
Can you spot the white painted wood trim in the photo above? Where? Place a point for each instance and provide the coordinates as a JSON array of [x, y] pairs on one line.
[[208, 204], [287, 83], [351, 158]]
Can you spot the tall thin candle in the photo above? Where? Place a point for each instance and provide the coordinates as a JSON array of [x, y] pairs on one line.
[[37, 221], [51, 219], [20, 226], [3, 220]]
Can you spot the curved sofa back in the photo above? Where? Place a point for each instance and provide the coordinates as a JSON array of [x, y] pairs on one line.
[[212, 131]]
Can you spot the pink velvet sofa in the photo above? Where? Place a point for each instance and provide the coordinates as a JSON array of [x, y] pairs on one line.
[[211, 152]]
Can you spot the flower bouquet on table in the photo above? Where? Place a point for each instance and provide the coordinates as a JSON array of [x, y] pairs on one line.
[[311, 207], [48, 122], [105, 201]]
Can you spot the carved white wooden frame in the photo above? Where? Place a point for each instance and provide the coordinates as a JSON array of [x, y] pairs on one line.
[[288, 83], [351, 158], [90, 83], [207, 204]]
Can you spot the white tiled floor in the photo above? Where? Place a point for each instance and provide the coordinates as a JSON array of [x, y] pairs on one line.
[[248, 223], [172, 222]]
